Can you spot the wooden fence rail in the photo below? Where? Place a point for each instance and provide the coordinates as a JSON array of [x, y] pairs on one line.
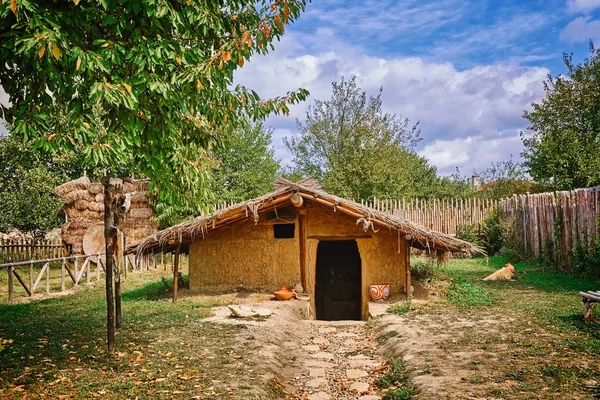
[[58, 274], [550, 226]]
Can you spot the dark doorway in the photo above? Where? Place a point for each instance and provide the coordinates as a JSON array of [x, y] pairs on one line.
[[338, 283]]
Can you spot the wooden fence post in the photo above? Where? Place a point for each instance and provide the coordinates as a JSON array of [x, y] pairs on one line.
[[31, 279], [62, 275], [10, 283], [48, 279]]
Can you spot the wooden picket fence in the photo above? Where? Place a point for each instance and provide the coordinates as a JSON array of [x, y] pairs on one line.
[[549, 226], [442, 215], [14, 250]]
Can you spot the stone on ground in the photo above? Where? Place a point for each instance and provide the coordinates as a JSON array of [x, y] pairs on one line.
[[356, 373], [319, 396], [322, 355], [360, 387], [316, 383], [316, 372]]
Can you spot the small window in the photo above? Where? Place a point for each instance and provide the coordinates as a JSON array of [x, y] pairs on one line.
[[284, 231]]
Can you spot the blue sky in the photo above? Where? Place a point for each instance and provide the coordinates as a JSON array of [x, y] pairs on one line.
[[466, 69]]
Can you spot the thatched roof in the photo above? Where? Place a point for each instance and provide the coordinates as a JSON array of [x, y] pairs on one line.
[[310, 191]]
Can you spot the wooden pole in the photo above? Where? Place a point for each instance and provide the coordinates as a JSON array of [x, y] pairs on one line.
[[10, 284], [62, 275], [302, 238], [112, 188], [31, 279], [407, 269], [176, 272]]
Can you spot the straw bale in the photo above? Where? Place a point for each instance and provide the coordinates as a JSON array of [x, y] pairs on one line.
[[141, 196], [141, 185], [88, 205], [129, 187], [74, 214], [75, 195], [139, 223], [140, 205], [96, 188], [140, 213], [77, 184], [99, 198]]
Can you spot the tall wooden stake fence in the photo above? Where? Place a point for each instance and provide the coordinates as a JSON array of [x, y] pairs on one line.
[[551, 225], [14, 250], [442, 215]]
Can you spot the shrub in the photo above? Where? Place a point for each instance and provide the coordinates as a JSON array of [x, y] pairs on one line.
[[425, 270], [490, 237]]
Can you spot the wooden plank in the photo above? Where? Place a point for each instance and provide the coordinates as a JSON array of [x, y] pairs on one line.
[[39, 277], [62, 275], [22, 282], [590, 297]]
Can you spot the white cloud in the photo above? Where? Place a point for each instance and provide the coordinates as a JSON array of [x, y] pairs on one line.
[[581, 29], [465, 115], [582, 6]]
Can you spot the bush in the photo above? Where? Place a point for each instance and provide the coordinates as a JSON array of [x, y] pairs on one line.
[[425, 270], [490, 237]]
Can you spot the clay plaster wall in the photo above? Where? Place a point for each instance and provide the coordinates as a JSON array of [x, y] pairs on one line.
[[245, 254]]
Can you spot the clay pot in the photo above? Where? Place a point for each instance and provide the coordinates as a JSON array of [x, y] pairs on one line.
[[284, 294], [379, 292]]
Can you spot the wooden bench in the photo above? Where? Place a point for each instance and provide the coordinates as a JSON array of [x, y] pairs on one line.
[[589, 297]]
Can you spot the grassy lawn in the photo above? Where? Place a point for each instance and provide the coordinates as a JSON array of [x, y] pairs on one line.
[[516, 339], [164, 350]]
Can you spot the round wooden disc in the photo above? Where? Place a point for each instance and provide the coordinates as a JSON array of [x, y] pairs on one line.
[[93, 240]]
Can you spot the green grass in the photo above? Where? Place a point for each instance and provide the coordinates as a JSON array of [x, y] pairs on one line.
[[400, 309], [397, 382], [164, 349], [464, 292]]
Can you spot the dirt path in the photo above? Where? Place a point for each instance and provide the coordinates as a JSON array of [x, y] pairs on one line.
[[338, 363]]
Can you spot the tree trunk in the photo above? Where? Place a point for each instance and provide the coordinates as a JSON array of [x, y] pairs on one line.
[[113, 189]]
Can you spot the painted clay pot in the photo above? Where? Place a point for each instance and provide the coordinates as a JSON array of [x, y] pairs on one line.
[[379, 292]]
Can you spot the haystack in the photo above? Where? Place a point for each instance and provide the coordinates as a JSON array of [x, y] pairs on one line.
[[83, 204]]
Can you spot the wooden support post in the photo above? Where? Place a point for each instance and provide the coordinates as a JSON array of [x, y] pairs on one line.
[[302, 238], [48, 279], [408, 283], [62, 275], [10, 283], [162, 259], [176, 272], [76, 270], [88, 277], [154, 260], [31, 289], [98, 269]]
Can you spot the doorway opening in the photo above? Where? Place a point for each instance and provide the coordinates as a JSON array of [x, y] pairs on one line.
[[338, 281]]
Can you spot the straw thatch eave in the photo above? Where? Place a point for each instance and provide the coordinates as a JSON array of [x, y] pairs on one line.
[[370, 219]]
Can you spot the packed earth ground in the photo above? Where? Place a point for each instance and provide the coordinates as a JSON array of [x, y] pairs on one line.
[[460, 338]]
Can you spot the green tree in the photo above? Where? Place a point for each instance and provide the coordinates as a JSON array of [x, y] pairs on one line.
[[355, 149], [564, 147], [506, 177], [26, 184], [161, 74], [246, 164]]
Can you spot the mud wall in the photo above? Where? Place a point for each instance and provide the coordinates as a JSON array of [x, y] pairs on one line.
[[245, 254]]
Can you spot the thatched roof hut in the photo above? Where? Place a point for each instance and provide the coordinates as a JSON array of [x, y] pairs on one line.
[[335, 248], [187, 232], [83, 204]]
